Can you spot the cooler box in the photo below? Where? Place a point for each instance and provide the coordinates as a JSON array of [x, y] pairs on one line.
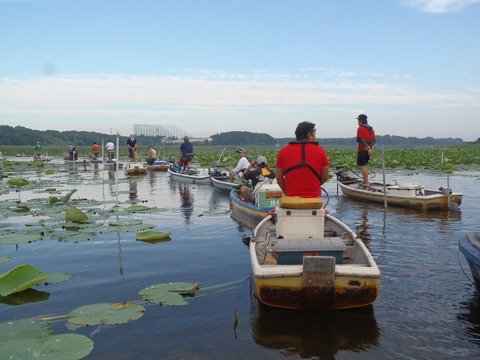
[[300, 223], [292, 251], [267, 195]]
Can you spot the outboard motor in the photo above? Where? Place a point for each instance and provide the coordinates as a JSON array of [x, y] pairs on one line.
[[445, 191]]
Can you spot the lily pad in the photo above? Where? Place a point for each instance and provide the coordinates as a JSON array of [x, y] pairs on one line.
[[18, 182], [151, 235], [10, 330], [4, 259], [25, 276], [125, 222], [20, 278], [20, 238], [32, 339], [75, 215], [138, 208], [168, 294], [73, 236], [105, 313]]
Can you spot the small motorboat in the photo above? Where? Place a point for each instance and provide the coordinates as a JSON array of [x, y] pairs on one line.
[[469, 246], [159, 165], [305, 259], [135, 168], [413, 196], [267, 197], [193, 175]]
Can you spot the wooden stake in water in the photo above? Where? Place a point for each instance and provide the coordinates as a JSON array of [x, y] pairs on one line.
[[116, 171], [384, 184]]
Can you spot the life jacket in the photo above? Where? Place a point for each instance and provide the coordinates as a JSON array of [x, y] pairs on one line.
[[304, 160], [370, 129]]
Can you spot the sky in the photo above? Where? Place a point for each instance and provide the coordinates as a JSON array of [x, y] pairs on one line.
[[211, 66]]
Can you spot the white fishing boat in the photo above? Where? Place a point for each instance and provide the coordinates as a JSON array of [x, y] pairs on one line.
[[135, 168], [411, 195], [305, 259], [194, 176]]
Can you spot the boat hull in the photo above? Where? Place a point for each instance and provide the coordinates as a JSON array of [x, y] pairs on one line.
[[317, 282], [435, 201], [224, 184], [470, 248], [135, 168], [246, 212], [194, 179]]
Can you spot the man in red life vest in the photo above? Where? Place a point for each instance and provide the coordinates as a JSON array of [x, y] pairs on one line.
[[302, 165], [366, 139]]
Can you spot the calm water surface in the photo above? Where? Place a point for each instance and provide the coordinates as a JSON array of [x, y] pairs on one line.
[[427, 308]]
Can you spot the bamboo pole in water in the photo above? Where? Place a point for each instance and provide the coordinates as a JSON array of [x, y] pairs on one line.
[[384, 184]]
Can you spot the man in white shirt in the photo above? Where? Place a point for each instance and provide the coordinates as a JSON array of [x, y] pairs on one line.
[[110, 150], [243, 163]]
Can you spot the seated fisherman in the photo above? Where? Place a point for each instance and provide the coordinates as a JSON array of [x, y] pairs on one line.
[[302, 165], [262, 172]]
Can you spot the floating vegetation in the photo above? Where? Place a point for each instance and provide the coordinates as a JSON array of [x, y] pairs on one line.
[[24, 277], [169, 294], [76, 215], [20, 238], [152, 235], [33, 339], [18, 182], [105, 313], [125, 222]]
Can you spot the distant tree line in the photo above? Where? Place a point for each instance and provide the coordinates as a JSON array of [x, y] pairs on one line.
[[21, 136], [386, 140], [243, 138]]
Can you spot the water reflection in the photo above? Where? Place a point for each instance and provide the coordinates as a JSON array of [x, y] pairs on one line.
[[470, 316], [111, 181], [362, 229], [133, 188], [25, 297], [314, 334], [186, 201], [152, 180], [96, 171]]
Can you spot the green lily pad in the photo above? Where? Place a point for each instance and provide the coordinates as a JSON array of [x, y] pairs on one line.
[[20, 238], [75, 215], [18, 182], [25, 276], [73, 237], [10, 330], [33, 339], [168, 294], [138, 208], [20, 278], [105, 313], [152, 235], [125, 222], [4, 259]]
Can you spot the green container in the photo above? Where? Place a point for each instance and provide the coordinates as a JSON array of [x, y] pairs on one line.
[[292, 251]]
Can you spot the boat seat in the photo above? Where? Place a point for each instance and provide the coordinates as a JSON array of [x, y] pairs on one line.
[[297, 202]]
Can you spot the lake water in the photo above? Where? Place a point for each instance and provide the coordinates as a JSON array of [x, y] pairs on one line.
[[427, 308]]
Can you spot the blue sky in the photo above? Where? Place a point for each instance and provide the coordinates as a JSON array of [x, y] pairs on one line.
[[210, 66]]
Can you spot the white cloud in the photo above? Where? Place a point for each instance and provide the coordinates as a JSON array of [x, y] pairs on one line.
[[441, 6], [217, 92]]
